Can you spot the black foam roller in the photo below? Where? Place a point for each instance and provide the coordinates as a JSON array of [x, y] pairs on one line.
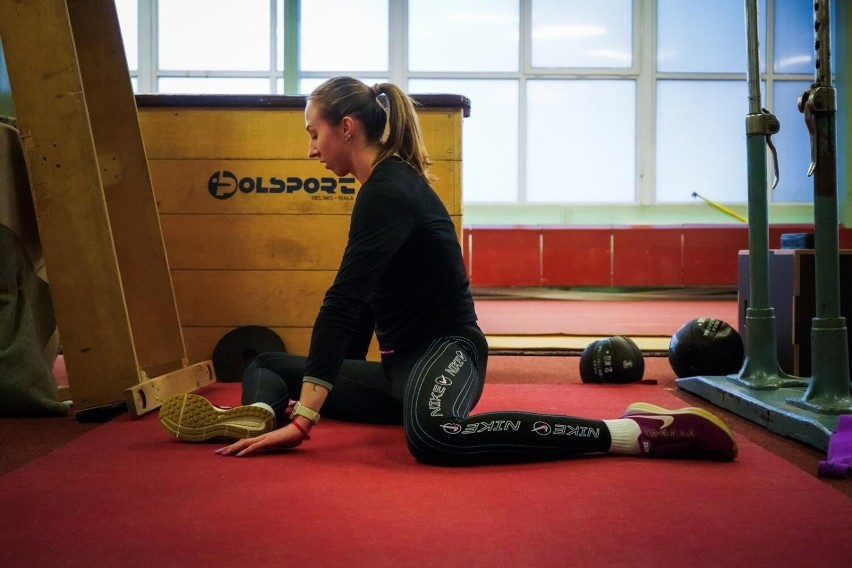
[[238, 348]]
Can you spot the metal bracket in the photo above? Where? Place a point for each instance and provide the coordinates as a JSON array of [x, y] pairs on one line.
[[815, 100], [823, 99], [763, 123], [766, 124]]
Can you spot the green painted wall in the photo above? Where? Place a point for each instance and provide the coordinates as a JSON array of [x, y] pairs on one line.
[[553, 215]]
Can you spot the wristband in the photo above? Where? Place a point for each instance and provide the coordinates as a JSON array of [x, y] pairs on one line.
[[301, 429], [300, 410]]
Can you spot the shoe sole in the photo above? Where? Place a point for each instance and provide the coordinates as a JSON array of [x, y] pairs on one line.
[[644, 408], [192, 418]]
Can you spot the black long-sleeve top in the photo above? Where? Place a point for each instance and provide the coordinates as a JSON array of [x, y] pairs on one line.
[[403, 258]]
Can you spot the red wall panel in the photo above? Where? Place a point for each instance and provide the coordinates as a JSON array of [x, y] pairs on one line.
[[505, 257], [577, 257], [635, 256], [710, 254], [646, 256]]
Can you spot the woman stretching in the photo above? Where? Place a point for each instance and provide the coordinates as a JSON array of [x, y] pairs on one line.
[[402, 272]]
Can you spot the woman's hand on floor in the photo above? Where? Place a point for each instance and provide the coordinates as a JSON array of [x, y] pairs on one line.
[[287, 437]]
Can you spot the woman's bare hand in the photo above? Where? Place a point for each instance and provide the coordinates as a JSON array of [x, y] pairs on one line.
[[287, 437]]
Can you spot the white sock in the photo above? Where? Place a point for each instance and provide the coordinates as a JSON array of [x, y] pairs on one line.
[[625, 436], [263, 405]]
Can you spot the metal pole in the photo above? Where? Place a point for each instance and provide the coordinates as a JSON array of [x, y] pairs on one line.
[[760, 368], [761, 392], [829, 391]]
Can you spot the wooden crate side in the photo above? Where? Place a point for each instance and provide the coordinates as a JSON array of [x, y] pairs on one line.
[[263, 242], [442, 133], [272, 186], [257, 242], [250, 297], [252, 133]]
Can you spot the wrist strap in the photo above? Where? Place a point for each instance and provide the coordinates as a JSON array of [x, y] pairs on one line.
[[300, 410], [301, 429]]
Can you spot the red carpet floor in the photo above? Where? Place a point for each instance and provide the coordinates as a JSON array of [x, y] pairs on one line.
[[566, 317], [124, 494]]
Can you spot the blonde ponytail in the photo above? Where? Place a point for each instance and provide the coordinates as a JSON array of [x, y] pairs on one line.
[[403, 129]]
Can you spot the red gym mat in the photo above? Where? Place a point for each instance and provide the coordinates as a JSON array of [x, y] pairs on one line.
[[125, 494], [603, 318]]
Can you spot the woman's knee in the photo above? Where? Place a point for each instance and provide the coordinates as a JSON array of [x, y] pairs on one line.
[[432, 442], [284, 365]]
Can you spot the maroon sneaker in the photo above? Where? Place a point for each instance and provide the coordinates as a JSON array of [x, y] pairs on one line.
[[685, 433]]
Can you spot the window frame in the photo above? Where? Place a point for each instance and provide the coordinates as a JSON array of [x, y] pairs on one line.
[[644, 208]]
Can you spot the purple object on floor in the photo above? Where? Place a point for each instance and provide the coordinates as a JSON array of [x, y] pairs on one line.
[[839, 460]]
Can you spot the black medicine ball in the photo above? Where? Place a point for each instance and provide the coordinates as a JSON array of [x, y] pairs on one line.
[[614, 359], [706, 346]]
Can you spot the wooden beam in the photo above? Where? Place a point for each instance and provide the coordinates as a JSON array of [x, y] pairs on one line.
[[150, 394], [127, 186], [64, 174]]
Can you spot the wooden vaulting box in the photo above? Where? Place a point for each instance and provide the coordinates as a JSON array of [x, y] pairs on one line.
[[253, 229]]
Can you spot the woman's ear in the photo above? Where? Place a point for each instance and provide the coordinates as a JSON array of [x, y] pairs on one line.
[[347, 126]]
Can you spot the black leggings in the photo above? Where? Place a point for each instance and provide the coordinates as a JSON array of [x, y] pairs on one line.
[[431, 391]]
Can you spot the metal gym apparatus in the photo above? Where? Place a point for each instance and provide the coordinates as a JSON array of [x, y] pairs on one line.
[[805, 409]]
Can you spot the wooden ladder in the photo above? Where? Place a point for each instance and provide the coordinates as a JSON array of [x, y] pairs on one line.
[[97, 216]]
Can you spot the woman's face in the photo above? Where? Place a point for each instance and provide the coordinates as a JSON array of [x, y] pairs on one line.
[[327, 143]]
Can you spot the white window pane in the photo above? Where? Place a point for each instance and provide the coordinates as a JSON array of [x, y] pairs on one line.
[[474, 35], [581, 141], [705, 37], [279, 36], [701, 141], [214, 85], [579, 33], [201, 35], [307, 86], [793, 145], [794, 35], [128, 21], [489, 136], [341, 35]]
